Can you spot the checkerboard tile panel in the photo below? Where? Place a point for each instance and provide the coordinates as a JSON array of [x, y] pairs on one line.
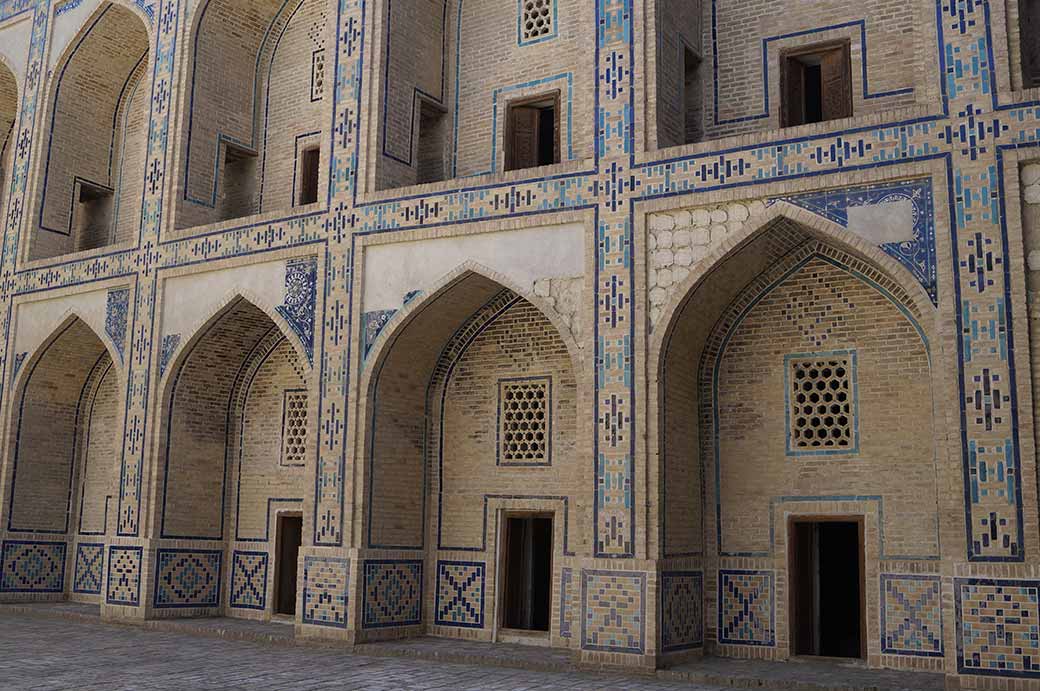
[[746, 605], [325, 581], [911, 615], [460, 594], [613, 611]]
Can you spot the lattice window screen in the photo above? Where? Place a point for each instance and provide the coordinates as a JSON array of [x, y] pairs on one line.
[[822, 405], [536, 19], [524, 421], [294, 428]]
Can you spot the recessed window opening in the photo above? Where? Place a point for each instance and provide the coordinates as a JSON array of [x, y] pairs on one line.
[[1029, 41], [527, 573], [816, 84], [92, 215], [238, 191], [309, 168], [432, 138], [289, 539], [692, 95], [533, 133], [827, 581]]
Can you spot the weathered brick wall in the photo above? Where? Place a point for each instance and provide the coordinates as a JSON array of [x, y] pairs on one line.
[[89, 93], [99, 450], [251, 83], [895, 58], [129, 152], [8, 113], [679, 25]]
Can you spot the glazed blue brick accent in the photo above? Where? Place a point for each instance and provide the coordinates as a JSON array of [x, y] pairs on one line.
[[372, 324], [116, 318], [90, 569], [460, 594], [911, 615], [32, 567], [613, 611], [568, 602], [301, 276], [170, 342], [682, 610], [187, 578], [393, 593], [997, 627], [64, 7], [248, 580], [124, 576], [853, 402], [325, 583], [19, 360], [747, 607]]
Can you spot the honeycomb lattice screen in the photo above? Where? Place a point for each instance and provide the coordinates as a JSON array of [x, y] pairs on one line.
[[536, 19], [294, 428], [822, 403], [524, 422]]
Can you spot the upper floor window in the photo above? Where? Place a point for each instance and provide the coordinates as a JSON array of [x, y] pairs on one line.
[[533, 132], [8, 114], [1029, 41], [815, 84]]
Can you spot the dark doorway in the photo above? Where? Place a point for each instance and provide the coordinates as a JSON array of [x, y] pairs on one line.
[[290, 536], [827, 588], [527, 573], [309, 172], [815, 84]]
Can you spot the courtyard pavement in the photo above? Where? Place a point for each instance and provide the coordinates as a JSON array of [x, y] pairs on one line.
[[41, 653]]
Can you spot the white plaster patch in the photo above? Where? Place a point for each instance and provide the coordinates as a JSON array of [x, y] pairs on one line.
[[66, 27], [14, 46], [35, 322], [881, 224], [189, 300], [524, 256]]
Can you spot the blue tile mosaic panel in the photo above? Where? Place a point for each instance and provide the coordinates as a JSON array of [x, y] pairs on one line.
[[90, 569], [911, 615], [124, 576], [325, 581], [460, 594], [613, 605], [682, 610], [568, 600], [248, 580], [392, 593], [187, 578], [998, 627], [32, 567], [746, 608]]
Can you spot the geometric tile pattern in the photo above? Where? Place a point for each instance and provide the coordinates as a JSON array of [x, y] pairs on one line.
[[460, 594], [301, 277], [90, 569], [32, 567], [187, 578], [325, 581], [537, 20], [567, 601], [392, 594], [911, 615], [248, 580], [682, 610], [116, 318], [746, 605], [613, 611], [820, 393], [124, 576], [525, 421], [998, 627]]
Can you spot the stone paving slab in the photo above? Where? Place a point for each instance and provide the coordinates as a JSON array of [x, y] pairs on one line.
[[503, 659]]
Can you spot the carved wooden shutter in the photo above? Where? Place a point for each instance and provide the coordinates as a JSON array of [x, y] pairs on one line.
[[792, 97], [522, 144], [836, 80]]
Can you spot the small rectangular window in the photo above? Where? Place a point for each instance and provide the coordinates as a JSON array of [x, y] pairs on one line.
[[816, 84], [309, 169], [692, 94], [92, 215], [1029, 41], [533, 133], [238, 191], [432, 137]]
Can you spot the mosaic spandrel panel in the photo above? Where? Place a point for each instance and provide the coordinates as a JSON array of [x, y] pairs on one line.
[[393, 593], [746, 608], [460, 594], [613, 605], [682, 610], [186, 578], [32, 567], [998, 627], [325, 582], [911, 615]]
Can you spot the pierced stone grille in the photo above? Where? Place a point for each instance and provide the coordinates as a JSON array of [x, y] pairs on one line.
[[537, 19], [294, 428], [524, 422], [821, 405]]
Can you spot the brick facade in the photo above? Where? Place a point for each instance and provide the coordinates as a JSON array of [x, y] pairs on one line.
[[629, 341]]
